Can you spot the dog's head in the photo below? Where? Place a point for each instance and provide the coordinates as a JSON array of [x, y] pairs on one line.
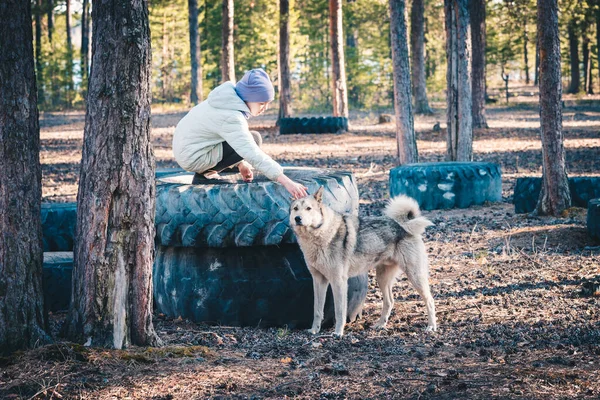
[[307, 211]]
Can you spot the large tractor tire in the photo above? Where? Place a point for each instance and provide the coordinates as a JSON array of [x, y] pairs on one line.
[[593, 218], [527, 192], [228, 213], [56, 280], [443, 185], [243, 286], [313, 125], [58, 226]]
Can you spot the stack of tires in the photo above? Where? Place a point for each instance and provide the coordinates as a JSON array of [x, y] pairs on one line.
[[224, 250], [226, 253], [313, 125]]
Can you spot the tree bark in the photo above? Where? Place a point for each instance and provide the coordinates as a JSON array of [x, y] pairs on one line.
[[69, 68], [227, 60], [196, 66], [525, 53], [22, 317], [39, 65], [478, 85], [338, 69], [50, 13], [458, 74], [405, 130], [574, 58], [586, 63], [598, 39], [536, 79], [85, 45], [285, 87], [417, 44], [554, 196], [111, 303]]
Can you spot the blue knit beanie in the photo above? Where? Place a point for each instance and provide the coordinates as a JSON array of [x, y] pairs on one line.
[[255, 87]]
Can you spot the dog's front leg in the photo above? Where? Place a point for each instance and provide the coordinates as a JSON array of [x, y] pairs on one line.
[[319, 294], [339, 286]]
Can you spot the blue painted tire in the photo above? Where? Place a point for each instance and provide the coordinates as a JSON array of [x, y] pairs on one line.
[[444, 185], [527, 192], [593, 218], [313, 125], [56, 280]]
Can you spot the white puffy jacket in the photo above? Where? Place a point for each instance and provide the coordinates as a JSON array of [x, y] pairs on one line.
[[198, 137]]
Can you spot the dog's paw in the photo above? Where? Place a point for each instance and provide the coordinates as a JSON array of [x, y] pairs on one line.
[[431, 328], [338, 335], [380, 325], [313, 331]]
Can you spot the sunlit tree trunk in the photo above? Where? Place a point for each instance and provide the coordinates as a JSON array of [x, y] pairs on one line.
[[478, 85], [458, 78], [111, 302], [525, 52], [405, 131], [22, 318], [196, 66], [417, 48], [554, 196], [85, 46], [285, 87], [574, 58], [338, 68], [227, 61], [69, 68]]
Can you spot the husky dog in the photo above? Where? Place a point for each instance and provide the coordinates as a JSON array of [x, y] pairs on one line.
[[337, 247]]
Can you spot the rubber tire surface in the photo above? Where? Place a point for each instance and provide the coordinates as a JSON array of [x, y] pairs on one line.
[[527, 192], [593, 218], [445, 185], [312, 125], [230, 213], [56, 280], [258, 286]]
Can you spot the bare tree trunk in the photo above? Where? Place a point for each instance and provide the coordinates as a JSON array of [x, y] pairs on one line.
[[574, 58], [111, 303], [69, 68], [598, 39], [478, 85], [227, 61], [22, 317], [417, 44], [352, 59], [285, 87], [196, 70], [405, 130], [458, 96], [85, 46], [39, 65], [338, 68], [586, 63], [536, 79], [554, 196], [50, 11], [525, 53]]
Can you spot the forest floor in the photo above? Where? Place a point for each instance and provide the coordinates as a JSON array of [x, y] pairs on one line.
[[514, 320]]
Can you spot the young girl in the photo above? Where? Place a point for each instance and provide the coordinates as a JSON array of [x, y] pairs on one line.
[[214, 135]]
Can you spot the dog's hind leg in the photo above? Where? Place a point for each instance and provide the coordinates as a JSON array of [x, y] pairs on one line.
[[339, 286], [419, 278], [319, 293], [386, 276]]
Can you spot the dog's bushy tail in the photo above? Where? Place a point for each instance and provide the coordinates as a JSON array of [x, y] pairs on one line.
[[405, 210]]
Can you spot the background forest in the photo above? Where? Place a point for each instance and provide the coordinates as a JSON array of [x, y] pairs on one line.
[[510, 29]]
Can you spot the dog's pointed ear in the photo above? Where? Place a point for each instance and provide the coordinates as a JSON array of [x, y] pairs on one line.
[[319, 194]]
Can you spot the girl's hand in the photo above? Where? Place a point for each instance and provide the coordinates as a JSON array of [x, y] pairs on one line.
[[297, 190], [246, 171]]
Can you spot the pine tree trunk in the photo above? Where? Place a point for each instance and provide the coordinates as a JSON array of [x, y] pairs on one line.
[[417, 44], [22, 317], [111, 304], [586, 63], [598, 39], [227, 60], [478, 85], [69, 67], [338, 69], [525, 53], [352, 59], [574, 58], [196, 70], [285, 87], [39, 64], [85, 45], [50, 11], [405, 130], [458, 79], [554, 196]]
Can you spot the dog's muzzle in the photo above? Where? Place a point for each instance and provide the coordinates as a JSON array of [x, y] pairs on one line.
[[298, 220]]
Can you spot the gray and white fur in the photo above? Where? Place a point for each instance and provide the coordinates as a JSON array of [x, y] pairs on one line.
[[337, 247]]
